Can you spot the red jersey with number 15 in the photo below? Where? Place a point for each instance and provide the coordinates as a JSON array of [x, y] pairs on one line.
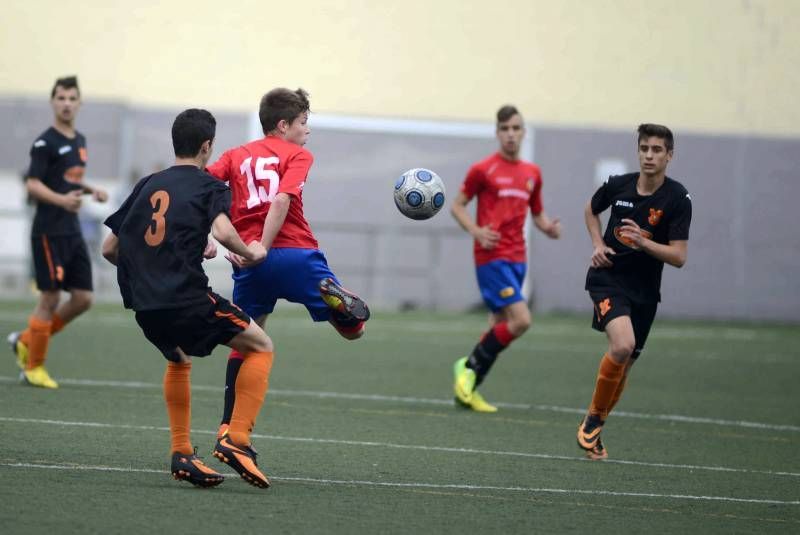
[[506, 190], [256, 173]]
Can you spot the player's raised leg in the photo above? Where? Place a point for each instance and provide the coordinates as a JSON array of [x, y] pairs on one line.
[[235, 448]]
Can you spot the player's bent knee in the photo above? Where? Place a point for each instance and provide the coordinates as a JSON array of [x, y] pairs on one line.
[[621, 351]]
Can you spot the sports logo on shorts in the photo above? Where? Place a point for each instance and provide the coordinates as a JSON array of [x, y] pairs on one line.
[[603, 307], [508, 291]]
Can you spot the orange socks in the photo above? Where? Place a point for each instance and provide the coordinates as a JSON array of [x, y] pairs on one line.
[[178, 396], [38, 340], [56, 326], [609, 378], [618, 392], [251, 387]]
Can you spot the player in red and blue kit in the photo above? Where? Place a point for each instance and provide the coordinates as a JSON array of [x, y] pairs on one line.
[[506, 188], [266, 179]]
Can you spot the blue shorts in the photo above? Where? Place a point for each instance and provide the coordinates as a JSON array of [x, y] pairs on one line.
[[287, 273], [500, 283]]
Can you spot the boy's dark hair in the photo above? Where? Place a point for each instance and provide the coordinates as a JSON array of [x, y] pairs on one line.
[[656, 130], [190, 130], [282, 104], [67, 82], [506, 112]]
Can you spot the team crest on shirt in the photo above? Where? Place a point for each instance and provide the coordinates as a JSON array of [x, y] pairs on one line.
[[655, 216]]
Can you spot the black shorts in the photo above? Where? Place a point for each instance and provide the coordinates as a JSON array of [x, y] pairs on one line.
[[609, 305], [195, 329], [61, 262]]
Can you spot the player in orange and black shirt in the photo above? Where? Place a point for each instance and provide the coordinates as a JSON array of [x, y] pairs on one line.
[[648, 227], [61, 259], [158, 241]]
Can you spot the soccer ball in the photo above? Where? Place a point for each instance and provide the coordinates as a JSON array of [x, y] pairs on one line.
[[419, 193]]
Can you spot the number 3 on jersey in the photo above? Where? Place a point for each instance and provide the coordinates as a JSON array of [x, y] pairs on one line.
[[154, 234], [257, 192]]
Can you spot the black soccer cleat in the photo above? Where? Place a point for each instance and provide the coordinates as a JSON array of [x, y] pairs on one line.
[[190, 468], [346, 303]]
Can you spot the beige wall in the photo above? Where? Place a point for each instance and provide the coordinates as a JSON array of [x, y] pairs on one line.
[[704, 65]]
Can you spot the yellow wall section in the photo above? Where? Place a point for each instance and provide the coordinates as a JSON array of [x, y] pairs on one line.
[[704, 65]]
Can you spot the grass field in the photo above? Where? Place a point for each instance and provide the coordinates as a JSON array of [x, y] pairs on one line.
[[362, 437]]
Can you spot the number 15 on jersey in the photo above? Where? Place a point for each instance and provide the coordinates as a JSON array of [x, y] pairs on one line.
[[264, 169]]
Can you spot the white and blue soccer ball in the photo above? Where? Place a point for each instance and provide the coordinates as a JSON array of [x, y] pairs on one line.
[[419, 193]]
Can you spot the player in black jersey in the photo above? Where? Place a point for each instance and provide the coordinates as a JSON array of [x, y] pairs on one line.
[[158, 241], [648, 226], [60, 256]]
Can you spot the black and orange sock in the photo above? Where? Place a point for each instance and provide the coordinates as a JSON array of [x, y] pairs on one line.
[[486, 351], [235, 360], [609, 377], [38, 341], [251, 387], [178, 397]]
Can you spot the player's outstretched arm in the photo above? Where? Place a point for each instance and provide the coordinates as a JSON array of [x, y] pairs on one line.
[[70, 201], [223, 231], [550, 227], [487, 237], [111, 248]]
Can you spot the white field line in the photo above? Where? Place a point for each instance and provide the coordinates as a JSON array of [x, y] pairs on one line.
[[433, 401], [440, 486], [711, 332], [416, 447]]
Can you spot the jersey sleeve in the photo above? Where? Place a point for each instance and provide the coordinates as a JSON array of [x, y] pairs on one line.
[[473, 182], [219, 201], [535, 201], [221, 168], [294, 177], [40, 159], [681, 218], [114, 221], [602, 198]]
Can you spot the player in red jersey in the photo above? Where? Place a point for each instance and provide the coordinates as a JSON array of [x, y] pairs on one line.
[[506, 188], [266, 178]]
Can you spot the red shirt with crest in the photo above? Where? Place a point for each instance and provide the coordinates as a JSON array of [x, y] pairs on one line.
[[506, 190]]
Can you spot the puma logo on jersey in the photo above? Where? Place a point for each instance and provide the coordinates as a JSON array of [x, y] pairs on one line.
[[626, 204], [65, 149], [39, 143]]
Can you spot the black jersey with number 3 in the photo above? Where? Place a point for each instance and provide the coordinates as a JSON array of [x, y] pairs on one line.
[[59, 162], [163, 228], [663, 216]]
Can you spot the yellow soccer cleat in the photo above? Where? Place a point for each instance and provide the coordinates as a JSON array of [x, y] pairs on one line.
[[478, 404], [464, 382], [20, 350], [38, 376]]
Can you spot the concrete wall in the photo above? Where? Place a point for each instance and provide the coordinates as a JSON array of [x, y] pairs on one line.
[[712, 66]]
